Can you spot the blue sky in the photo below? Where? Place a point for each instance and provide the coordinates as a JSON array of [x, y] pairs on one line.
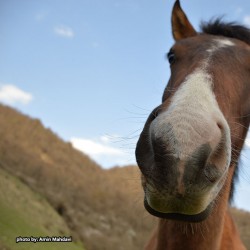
[[92, 70]]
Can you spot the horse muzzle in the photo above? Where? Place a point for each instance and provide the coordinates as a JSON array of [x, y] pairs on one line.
[[184, 158]]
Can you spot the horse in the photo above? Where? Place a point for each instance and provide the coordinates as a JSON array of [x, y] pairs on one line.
[[189, 147]]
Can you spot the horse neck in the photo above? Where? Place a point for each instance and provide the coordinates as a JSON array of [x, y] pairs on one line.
[[217, 232], [206, 235]]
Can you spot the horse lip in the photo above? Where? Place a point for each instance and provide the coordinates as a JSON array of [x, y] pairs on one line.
[[179, 217]]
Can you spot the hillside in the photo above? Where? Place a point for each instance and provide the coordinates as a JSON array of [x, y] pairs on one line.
[[97, 212], [101, 208], [15, 219]]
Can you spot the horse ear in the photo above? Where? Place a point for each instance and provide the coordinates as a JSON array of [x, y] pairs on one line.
[[181, 27]]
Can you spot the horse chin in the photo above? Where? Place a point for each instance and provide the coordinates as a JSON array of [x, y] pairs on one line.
[[194, 218]]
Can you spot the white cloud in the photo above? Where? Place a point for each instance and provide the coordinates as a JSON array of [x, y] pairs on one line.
[[105, 138], [94, 148], [102, 152], [11, 95], [64, 31], [246, 20]]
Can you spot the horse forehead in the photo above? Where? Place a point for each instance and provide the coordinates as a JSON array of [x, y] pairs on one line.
[[203, 48], [219, 43], [200, 73]]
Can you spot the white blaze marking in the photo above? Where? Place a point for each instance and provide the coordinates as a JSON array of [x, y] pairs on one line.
[[225, 42], [220, 43], [191, 106], [190, 121], [191, 117]]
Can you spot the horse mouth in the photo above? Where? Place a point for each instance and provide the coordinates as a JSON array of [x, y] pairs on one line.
[[178, 216]]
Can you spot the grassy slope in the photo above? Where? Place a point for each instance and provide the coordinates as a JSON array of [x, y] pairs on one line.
[[25, 213]]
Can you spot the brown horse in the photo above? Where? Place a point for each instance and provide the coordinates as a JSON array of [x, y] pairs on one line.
[[190, 144]]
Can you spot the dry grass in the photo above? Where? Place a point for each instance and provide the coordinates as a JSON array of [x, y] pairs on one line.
[[103, 208], [242, 218]]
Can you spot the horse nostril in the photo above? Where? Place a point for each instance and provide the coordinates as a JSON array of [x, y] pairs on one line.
[[212, 173], [219, 125]]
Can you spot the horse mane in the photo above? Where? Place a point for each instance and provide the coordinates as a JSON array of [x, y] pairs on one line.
[[231, 29]]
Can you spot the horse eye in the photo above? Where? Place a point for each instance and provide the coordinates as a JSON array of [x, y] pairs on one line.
[[171, 57]]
